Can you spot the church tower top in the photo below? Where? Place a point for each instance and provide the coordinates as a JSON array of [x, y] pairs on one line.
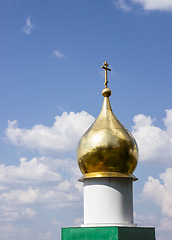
[[107, 149]]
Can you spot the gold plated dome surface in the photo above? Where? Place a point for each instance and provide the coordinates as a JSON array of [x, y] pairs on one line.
[[107, 149]]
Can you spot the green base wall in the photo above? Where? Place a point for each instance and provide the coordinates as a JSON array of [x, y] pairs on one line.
[[108, 233]]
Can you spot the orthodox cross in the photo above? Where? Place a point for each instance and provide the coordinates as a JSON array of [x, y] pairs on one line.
[[106, 69]]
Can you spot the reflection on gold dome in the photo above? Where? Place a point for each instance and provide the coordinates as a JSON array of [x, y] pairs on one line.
[[107, 149]]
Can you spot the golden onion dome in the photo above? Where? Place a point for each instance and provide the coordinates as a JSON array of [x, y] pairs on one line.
[[107, 149]]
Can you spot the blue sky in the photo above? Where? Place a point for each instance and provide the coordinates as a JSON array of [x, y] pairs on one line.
[[51, 83]]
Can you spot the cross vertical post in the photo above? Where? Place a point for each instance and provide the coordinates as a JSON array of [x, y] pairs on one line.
[[106, 69]]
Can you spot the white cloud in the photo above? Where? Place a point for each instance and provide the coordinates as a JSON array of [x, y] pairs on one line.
[[166, 225], [34, 172], [78, 222], [30, 213], [57, 54], [155, 144], [46, 181], [46, 236], [145, 220], [60, 108], [16, 213], [64, 186], [63, 136], [160, 193], [148, 5], [56, 223], [28, 26], [162, 5], [121, 4], [20, 196], [10, 231]]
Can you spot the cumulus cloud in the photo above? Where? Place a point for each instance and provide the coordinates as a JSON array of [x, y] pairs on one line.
[[40, 181], [10, 231], [62, 137], [145, 220], [16, 213], [46, 236], [34, 171], [30, 213], [148, 5], [160, 193], [43, 181], [56, 223], [155, 144], [47, 182], [78, 222], [162, 5], [165, 225], [28, 26], [122, 5], [9, 213], [57, 54]]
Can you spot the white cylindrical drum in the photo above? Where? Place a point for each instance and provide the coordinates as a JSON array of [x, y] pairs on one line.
[[108, 201]]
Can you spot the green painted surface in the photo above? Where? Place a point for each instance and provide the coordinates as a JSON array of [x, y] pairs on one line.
[[108, 233], [136, 233], [92, 233]]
